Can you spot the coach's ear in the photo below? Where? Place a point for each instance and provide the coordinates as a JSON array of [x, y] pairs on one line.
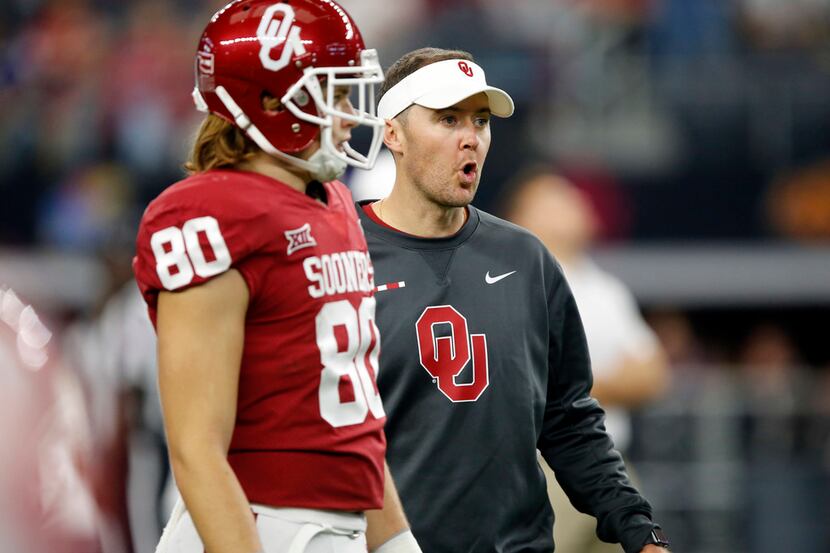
[[393, 135]]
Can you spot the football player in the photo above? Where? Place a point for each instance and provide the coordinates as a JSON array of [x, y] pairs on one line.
[[484, 356], [259, 283]]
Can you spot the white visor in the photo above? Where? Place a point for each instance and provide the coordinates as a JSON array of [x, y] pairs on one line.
[[441, 85]]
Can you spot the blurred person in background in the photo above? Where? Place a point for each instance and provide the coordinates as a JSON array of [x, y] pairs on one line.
[[47, 503], [676, 336], [259, 283], [484, 358], [90, 214], [628, 363], [783, 510], [115, 354]]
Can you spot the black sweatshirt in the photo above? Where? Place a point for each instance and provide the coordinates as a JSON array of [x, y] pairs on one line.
[[484, 361]]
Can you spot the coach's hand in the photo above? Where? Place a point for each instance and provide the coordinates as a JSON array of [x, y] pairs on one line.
[[651, 548]]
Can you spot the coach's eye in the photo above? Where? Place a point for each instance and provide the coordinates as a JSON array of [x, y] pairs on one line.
[[449, 120]]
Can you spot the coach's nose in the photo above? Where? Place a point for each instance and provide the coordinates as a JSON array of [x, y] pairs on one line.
[[469, 135]]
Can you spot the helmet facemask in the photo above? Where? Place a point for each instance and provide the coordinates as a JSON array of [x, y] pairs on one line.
[[361, 80]]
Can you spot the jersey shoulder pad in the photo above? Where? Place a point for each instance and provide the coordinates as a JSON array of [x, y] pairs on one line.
[[199, 228]]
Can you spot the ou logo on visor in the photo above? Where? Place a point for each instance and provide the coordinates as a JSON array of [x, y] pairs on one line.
[[272, 33], [445, 357]]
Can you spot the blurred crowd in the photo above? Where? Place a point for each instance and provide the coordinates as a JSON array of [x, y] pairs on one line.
[[97, 115], [663, 107], [670, 121]]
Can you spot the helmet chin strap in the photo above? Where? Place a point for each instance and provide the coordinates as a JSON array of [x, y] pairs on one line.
[[322, 165], [326, 167]]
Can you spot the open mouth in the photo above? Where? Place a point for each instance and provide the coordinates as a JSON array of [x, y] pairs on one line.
[[468, 172]]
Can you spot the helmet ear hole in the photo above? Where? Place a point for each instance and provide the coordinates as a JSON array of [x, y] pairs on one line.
[[270, 103]]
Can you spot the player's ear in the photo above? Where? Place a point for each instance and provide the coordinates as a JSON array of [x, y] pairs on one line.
[[392, 136]]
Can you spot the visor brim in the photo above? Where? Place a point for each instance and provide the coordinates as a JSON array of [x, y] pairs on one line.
[[501, 104]]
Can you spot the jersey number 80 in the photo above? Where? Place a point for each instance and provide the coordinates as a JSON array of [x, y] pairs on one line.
[[349, 357], [179, 253]]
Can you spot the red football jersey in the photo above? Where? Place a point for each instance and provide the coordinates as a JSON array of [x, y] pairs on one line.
[[309, 425]]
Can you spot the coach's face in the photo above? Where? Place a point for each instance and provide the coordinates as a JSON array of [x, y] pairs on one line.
[[442, 151]]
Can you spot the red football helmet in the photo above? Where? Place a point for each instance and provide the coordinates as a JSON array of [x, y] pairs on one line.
[[289, 49]]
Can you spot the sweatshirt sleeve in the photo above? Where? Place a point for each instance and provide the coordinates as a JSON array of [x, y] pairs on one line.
[[573, 440]]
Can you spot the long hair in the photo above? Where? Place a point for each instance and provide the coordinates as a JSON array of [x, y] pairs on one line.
[[221, 144]]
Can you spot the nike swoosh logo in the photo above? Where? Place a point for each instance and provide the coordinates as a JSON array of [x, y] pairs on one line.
[[492, 280]]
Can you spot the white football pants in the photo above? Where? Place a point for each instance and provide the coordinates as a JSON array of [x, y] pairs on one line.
[[281, 530]]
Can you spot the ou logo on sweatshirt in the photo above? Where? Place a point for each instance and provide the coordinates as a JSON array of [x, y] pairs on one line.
[[445, 357]]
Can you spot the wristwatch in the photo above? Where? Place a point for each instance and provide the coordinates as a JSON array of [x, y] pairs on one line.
[[658, 538]]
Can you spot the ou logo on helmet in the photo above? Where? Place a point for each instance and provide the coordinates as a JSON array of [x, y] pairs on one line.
[[273, 32]]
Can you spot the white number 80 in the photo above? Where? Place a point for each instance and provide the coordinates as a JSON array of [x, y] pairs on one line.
[[351, 361], [181, 249]]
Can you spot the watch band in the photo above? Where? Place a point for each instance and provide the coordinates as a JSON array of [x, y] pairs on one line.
[[659, 538]]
